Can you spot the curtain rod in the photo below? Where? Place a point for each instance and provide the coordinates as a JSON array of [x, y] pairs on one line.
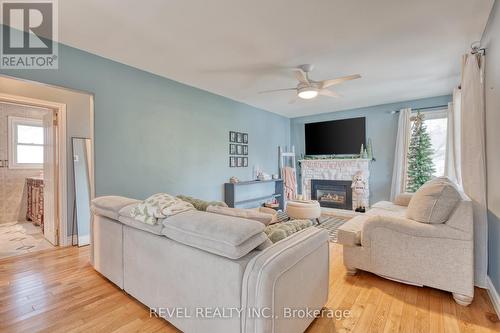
[[425, 108], [477, 49]]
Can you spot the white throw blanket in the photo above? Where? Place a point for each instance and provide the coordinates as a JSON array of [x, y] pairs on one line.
[[159, 206]]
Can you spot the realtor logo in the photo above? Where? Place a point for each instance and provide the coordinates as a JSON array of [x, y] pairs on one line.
[[28, 33]]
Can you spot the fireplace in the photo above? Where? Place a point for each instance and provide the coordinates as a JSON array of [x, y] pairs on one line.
[[332, 193]]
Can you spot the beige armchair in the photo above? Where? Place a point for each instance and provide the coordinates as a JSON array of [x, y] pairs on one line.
[[439, 255]]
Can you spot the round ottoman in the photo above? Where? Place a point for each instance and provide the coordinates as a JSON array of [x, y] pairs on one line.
[[300, 210]]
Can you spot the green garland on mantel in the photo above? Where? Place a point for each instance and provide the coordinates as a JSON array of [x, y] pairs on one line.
[[332, 157]]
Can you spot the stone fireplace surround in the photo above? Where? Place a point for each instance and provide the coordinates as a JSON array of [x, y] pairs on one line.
[[333, 169]]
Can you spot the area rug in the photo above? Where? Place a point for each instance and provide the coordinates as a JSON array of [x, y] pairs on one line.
[[332, 224], [21, 238]]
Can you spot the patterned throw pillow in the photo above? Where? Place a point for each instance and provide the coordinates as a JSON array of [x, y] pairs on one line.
[[201, 204], [279, 231], [159, 206]]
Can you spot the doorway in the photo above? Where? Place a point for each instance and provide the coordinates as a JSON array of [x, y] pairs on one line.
[[29, 175]]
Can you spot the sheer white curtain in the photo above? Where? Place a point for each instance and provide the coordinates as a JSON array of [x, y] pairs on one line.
[[400, 154], [452, 167], [473, 156]]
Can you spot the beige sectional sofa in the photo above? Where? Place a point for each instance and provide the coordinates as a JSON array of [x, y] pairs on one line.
[[437, 253], [197, 263]]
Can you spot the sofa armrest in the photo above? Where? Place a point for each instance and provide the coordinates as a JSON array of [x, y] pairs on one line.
[[291, 274], [110, 205], [403, 199], [409, 227]]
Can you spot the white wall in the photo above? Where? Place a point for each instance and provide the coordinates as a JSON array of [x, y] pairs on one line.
[[491, 41]]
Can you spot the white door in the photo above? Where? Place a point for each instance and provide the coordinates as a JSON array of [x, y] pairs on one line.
[[51, 218]]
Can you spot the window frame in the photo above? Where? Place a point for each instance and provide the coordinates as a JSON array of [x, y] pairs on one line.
[[14, 122]]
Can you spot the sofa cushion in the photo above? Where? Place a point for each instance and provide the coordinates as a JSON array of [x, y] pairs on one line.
[[110, 205], [125, 218], [433, 202], [231, 237], [244, 213]]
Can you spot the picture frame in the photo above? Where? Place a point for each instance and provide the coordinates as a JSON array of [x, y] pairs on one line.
[[232, 161], [245, 150], [232, 136], [245, 161], [239, 149], [232, 149], [239, 162], [239, 137], [245, 137]]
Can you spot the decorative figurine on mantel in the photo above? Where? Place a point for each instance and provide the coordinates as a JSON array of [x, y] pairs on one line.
[[358, 192]]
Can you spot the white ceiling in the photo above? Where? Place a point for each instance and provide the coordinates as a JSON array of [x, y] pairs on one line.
[[404, 49]]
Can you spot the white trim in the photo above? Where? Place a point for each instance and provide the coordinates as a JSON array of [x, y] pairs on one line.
[[12, 143], [62, 204], [74, 238], [494, 296]]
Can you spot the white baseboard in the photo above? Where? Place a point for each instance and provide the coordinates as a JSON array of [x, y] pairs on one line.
[[85, 240], [494, 296], [71, 239]]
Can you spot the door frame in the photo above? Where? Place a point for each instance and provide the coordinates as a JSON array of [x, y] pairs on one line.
[[62, 186]]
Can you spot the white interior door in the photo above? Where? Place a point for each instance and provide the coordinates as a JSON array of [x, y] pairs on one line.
[[51, 219]]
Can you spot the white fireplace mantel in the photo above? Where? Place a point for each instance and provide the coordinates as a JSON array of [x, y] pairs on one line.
[[333, 169]]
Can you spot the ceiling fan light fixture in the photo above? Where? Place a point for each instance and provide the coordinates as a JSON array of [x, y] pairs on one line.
[[308, 93]]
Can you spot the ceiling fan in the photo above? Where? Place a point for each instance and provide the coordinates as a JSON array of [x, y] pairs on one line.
[[308, 88]]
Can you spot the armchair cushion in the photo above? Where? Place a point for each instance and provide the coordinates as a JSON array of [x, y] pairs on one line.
[[403, 199], [433, 202]]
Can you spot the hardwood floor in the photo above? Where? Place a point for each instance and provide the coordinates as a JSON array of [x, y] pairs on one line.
[[58, 291]]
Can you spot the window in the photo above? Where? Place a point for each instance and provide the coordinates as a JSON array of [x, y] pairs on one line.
[[25, 143], [437, 128], [436, 124]]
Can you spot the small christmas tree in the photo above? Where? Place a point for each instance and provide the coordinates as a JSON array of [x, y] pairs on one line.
[[420, 164]]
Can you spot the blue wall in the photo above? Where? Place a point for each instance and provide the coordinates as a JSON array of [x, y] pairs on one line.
[[381, 127], [491, 41], [153, 134]]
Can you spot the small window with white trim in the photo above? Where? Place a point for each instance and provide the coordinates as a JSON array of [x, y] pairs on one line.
[[25, 143]]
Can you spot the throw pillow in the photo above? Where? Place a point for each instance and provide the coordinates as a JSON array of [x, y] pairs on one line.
[[159, 206], [434, 201], [279, 231], [199, 204]]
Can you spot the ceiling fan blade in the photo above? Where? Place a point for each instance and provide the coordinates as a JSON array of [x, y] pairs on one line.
[[329, 83], [275, 90], [300, 75], [326, 92]]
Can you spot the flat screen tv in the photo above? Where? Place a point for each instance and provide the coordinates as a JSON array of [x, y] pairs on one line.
[[336, 137]]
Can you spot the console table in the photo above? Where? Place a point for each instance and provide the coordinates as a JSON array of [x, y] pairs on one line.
[[34, 211], [231, 190]]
